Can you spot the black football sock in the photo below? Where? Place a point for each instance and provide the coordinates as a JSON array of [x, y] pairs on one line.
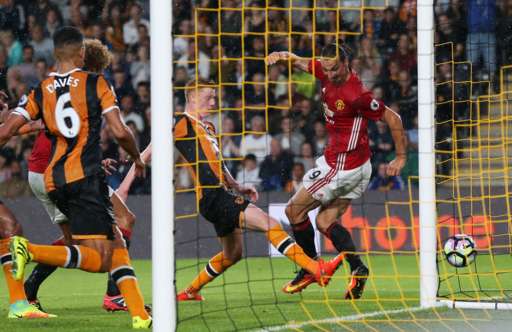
[[304, 235], [342, 241], [36, 278], [112, 289]]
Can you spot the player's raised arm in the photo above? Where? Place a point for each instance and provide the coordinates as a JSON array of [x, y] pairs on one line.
[[397, 132], [297, 61]]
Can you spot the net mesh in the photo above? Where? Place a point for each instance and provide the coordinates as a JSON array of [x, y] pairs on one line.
[[471, 145]]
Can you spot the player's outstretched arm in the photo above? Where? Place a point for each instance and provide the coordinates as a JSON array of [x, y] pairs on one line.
[[10, 127], [124, 187], [397, 132], [125, 138], [297, 61]]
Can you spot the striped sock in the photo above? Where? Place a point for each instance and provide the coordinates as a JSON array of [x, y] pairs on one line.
[[15, 287], [286, 246], [124, 276], [212, 270], [70, 257]]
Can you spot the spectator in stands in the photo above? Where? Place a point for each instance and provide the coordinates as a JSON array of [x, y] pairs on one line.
[[481, 41], [27, 69], [41, 69], [250, 172], [279, 85], [320, 138], [504, 33], [188, 61], [143, 98], [370, 62], [448, 34], [12, 16], [289, 138], [383, 182], [408, 98], [275, 169], [390, 30], [307, 156], [130, 32], [12, 46], [53, 21], [256, 92], [181, 40], [230, 143], [114, 31], [121, 85], [43, 46], [404, 56], [383, 142], [40, 8], [139, 69], [295, 182], [258, 142]]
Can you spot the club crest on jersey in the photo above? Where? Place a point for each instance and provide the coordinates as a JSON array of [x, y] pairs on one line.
[[340, 105], [239, 200]]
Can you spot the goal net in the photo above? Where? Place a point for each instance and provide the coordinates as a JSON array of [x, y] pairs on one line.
[[261, 107]]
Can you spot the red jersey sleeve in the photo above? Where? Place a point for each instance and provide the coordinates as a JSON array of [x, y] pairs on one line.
[[369, 107], [315, 68]]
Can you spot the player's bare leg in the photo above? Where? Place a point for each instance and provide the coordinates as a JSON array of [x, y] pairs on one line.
[[42, 271], [92, 255], [256, 219], [297, 211], [125, 219], [19, 306], [327, 223], [231, 253]]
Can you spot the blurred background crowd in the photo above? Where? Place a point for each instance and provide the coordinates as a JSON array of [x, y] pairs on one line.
[[270, 131]]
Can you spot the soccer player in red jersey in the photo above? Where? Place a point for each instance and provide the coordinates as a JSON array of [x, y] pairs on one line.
[[343, 172]]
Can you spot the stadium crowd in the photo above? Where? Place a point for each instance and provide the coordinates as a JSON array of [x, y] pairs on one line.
[[271, 147]]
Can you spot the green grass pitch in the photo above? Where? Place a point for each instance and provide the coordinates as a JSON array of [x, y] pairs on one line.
[[249, 297]]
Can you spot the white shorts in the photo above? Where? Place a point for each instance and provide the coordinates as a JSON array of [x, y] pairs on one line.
[[325, 184], [36, 182]]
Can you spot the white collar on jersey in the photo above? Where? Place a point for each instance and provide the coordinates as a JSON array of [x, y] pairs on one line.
[[64, 74], [193, 117]]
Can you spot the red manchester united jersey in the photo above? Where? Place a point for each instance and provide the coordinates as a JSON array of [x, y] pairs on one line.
[[347, 125], [41, 152]]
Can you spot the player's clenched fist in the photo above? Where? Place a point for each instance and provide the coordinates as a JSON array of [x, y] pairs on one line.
[[278, 56]]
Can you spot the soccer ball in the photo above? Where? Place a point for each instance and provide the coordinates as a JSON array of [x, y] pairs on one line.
[[460, 250]]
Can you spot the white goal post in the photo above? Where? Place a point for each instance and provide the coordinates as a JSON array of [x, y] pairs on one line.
[[162, 188], [426, 140]]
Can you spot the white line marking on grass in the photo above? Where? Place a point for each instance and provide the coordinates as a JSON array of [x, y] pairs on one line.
[[332, 320]]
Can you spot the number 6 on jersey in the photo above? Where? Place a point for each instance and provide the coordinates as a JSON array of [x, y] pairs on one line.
[[67, 119]]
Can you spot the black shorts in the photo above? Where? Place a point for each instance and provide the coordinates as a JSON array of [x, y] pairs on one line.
[[222, 209], [87, 206]]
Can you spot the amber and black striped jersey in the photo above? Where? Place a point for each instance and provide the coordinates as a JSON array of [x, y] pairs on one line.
[[197, 142], [71, 106]]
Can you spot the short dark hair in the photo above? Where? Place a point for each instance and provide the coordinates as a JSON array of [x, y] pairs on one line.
[[67, 36], [334, 50], [250, 156]]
